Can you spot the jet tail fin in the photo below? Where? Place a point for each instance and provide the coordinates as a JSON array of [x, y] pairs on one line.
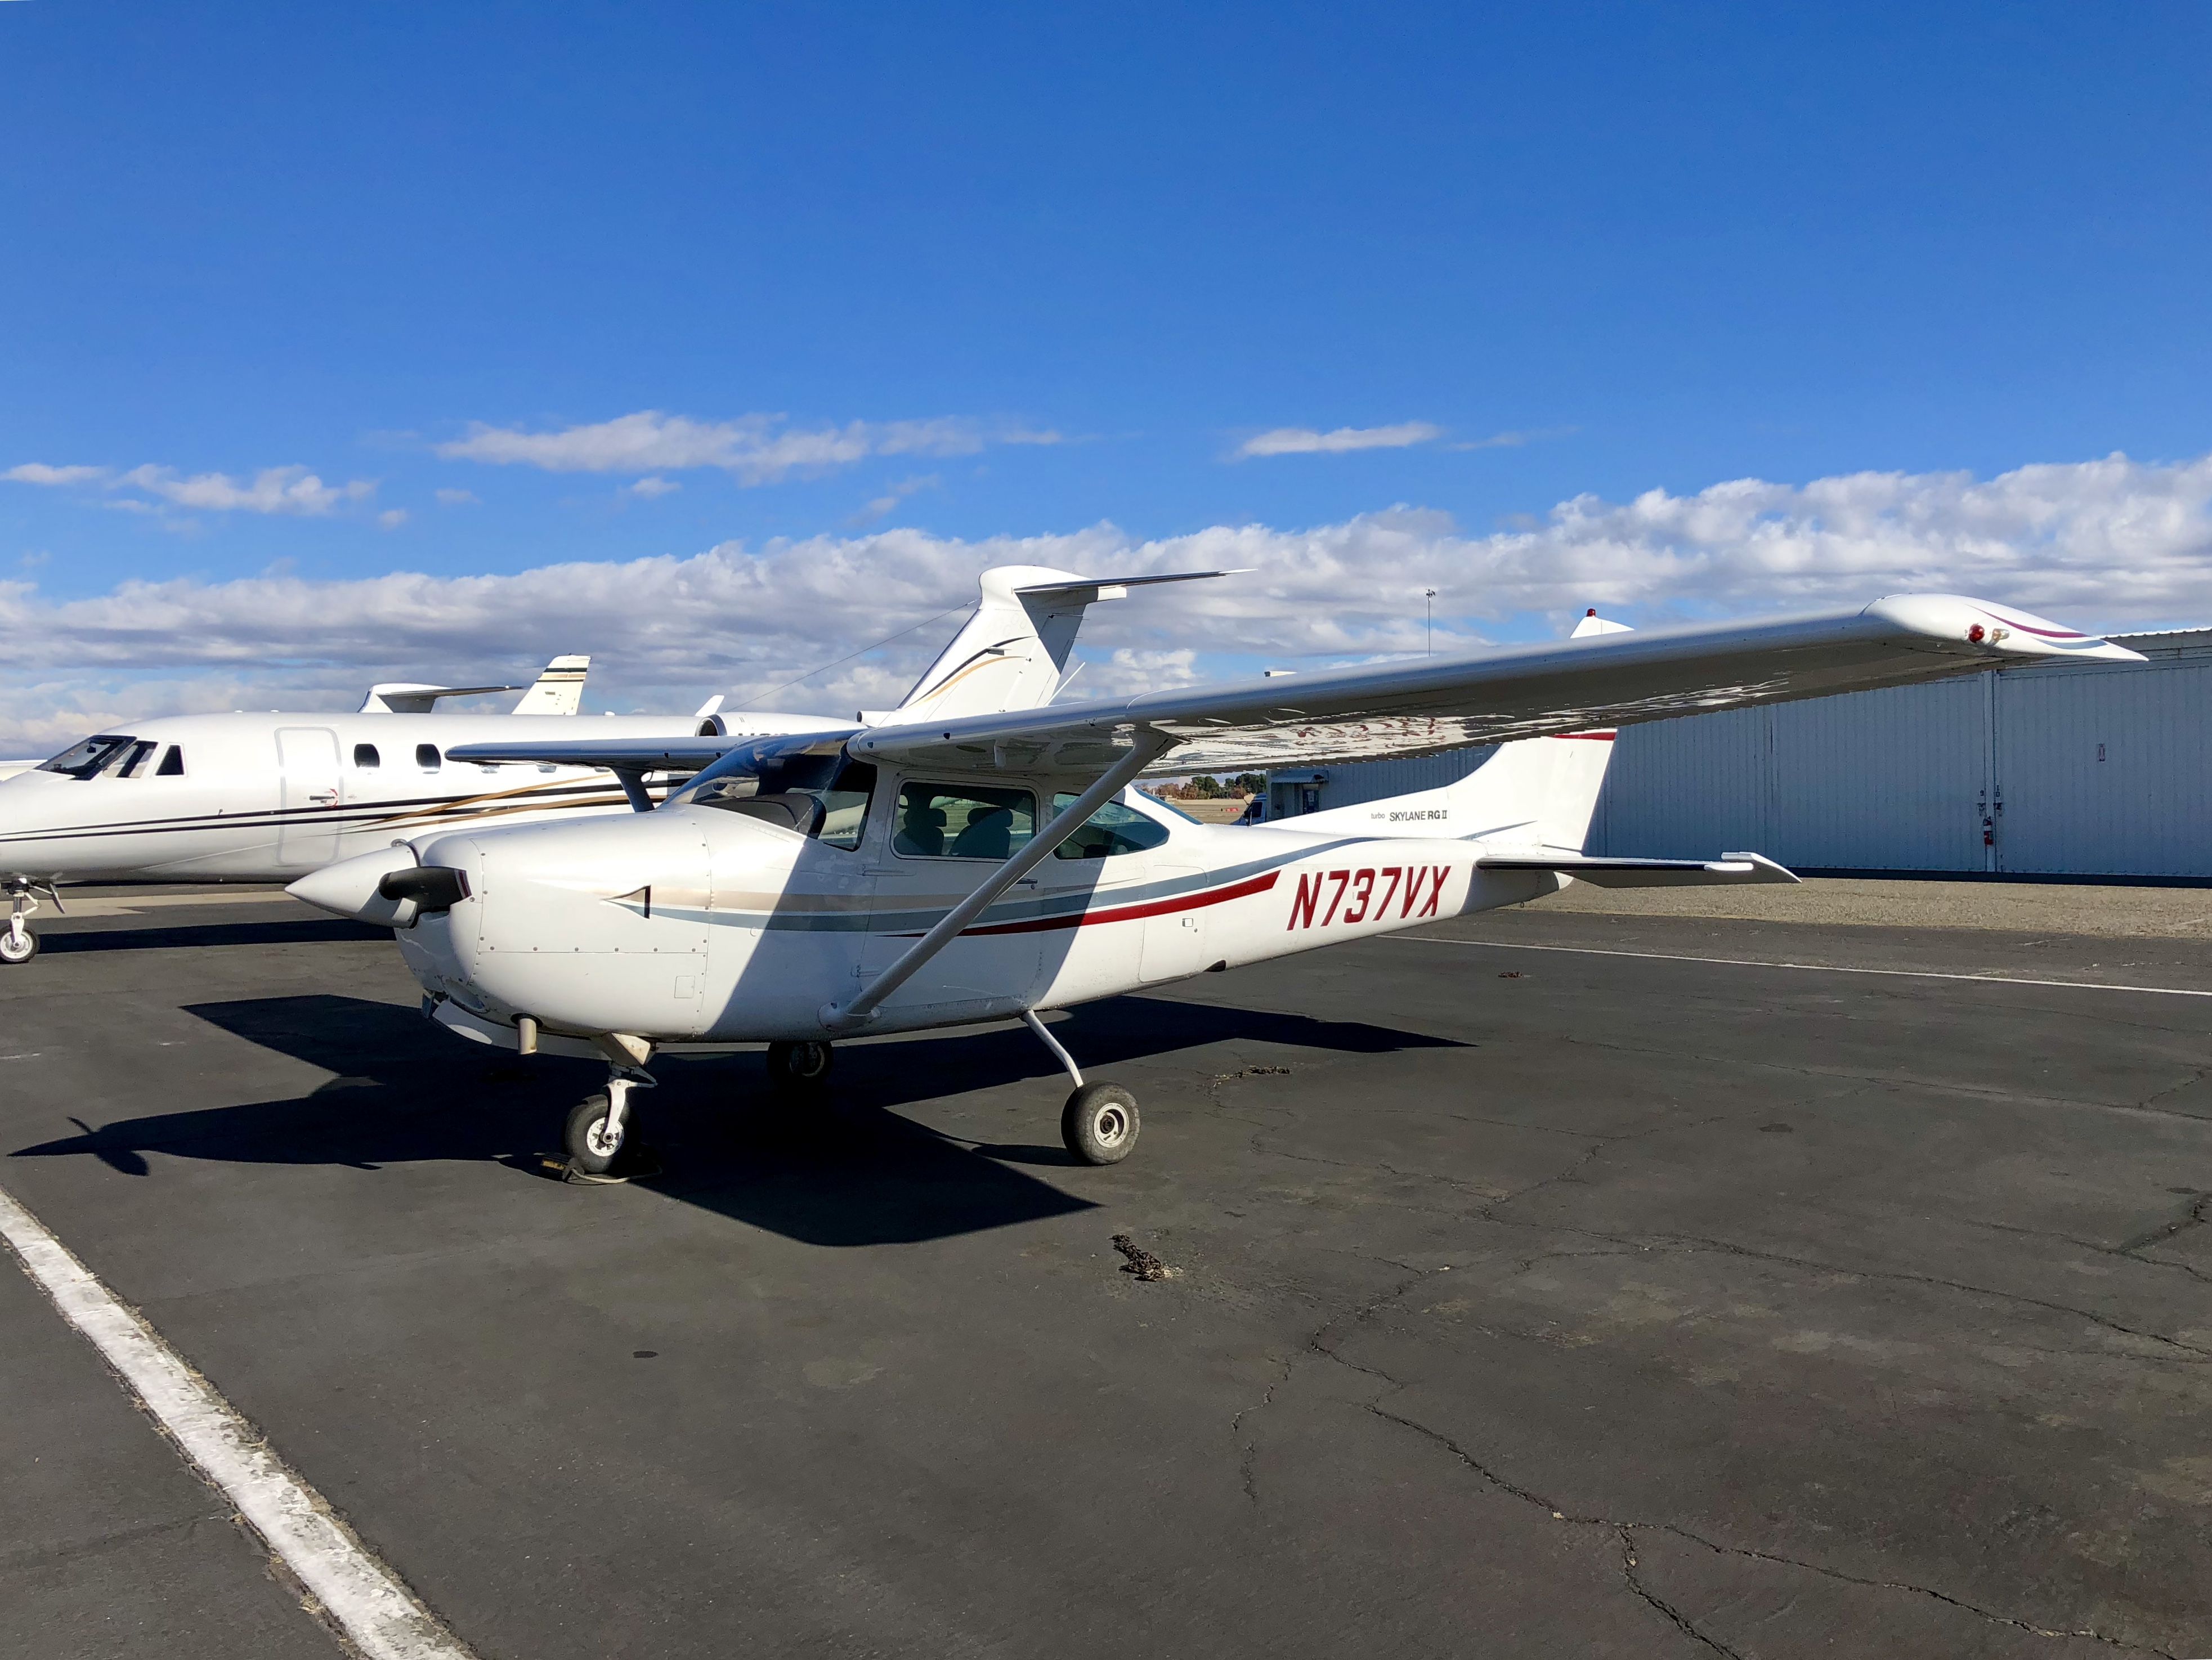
[[1014, 653], [559, 690]]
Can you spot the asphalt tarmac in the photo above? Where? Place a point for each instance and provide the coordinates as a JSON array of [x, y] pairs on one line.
[[1527, 1301]]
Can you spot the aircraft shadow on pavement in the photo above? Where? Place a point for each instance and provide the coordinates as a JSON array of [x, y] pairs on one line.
[[306, 931], [849, 1169]]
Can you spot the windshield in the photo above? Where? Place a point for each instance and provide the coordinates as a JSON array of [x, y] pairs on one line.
[[801, 783], [86, 760]]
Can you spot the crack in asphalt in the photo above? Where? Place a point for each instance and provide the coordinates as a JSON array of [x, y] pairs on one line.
[[1674, 1616], [1626, 1530], [2195, 1216]]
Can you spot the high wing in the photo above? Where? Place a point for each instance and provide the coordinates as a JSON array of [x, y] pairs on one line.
[[1435, 704]]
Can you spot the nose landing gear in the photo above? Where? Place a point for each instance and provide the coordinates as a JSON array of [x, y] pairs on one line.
[[19, 944], [599, 1124]]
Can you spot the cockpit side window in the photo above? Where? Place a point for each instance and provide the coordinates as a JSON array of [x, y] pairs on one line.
[[90, 758], [134, 763], [1109, 833], [173, 764]]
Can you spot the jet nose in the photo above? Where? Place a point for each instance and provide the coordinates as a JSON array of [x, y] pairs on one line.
[[386, 887]]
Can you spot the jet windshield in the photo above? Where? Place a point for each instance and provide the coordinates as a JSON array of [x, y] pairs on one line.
[[90, 758]]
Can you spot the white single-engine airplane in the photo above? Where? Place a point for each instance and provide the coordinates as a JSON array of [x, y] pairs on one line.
[[918, 874], [263, 797]]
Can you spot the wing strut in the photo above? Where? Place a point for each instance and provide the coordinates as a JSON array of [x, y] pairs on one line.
[[1148, 748]]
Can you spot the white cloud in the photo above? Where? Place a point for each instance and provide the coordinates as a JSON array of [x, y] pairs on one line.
[[653, 486], [891, 496], [271, 490], [2104, 544], [1305, 440], [37, 472], [393, 518], [457, 498], [755, 449]]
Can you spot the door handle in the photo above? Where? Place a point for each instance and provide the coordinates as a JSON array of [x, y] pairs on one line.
[[324, 797]]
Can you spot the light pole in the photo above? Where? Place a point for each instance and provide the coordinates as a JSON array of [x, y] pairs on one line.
[[1432, 597]]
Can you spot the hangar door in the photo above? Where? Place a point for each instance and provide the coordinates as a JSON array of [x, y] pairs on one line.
[[2103, 771]]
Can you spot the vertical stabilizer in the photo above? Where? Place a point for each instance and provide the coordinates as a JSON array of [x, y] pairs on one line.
[[1533, 793], [1014, 653], [559, 690]]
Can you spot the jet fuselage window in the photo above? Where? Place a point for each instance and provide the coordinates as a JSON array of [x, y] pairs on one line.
[[173, 764], [87, 759], [1109, 833], [366, 758], [963, 821], [427, 757]]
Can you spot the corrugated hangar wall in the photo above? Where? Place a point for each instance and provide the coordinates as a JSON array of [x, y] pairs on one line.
[[2082, 770]]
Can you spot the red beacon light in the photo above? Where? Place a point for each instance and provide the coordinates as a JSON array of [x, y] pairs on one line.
[[1974, 633]]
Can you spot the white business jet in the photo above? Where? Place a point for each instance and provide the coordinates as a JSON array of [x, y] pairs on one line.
[[261, 797], [911, 874]]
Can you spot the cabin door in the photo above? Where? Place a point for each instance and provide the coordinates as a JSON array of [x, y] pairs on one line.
[[312, 791]]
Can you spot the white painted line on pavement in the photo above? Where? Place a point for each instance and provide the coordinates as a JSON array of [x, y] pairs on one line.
[[1808, 967], [362, 1597]]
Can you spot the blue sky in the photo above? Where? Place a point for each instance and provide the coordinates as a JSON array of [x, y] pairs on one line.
[[1031, 270]]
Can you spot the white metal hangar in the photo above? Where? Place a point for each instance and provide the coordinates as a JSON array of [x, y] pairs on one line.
[[2066, 770]]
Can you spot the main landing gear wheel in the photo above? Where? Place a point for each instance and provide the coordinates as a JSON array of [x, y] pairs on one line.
[[1100, 1123], [799, 1067], [592, 1142], [17, 947]]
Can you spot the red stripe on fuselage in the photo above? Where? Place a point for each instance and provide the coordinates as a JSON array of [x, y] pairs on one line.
[[1259, 884]]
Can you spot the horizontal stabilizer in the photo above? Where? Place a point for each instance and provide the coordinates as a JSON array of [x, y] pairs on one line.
[[1089, 590], [1729, 871], [407, 697]]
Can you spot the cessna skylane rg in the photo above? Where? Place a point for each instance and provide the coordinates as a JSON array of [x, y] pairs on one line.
[[926, 873], [262, 797]]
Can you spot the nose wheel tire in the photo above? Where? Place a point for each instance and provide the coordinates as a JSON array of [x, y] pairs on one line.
[[593, 1145], [1100, 1123], [18, 947], [801, 1068]]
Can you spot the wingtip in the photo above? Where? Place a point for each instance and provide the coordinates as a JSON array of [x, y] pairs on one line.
[[1999, 631]]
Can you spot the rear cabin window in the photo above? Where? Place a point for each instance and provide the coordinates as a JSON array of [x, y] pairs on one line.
[[1112, 831], [963, 821], [366, 758], [427, 757], [173, 764]]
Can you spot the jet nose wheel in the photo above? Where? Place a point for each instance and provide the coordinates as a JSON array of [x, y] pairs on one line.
[[18, 946], [799, 1068], [1100, 1123], [594, 1136]]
